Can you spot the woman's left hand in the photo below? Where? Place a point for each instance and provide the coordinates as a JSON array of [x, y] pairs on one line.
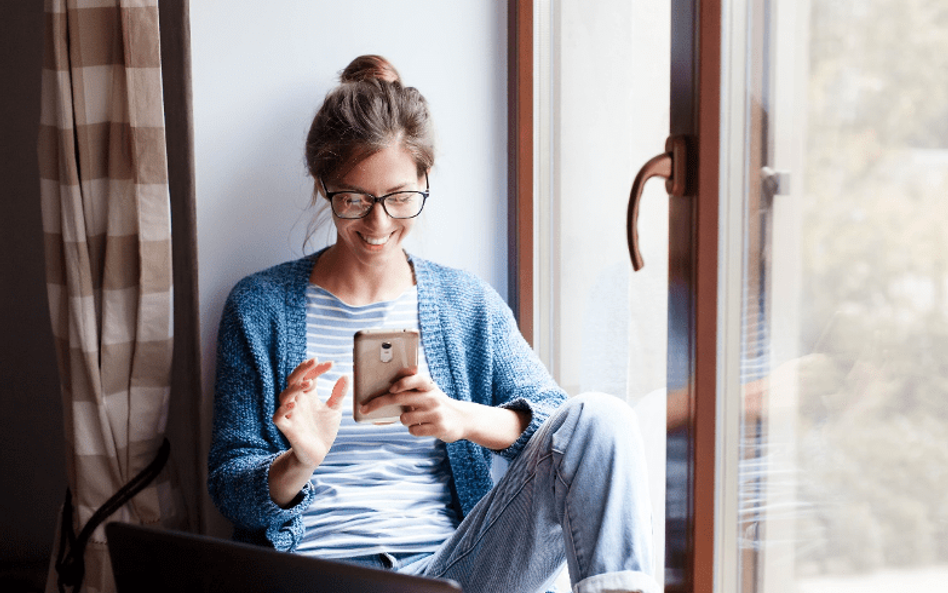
[[431, 413]]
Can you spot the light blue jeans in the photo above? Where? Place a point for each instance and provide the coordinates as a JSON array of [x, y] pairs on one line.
[[577, 493]]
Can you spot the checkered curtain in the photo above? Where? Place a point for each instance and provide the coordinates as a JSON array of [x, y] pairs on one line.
[[106, 219]]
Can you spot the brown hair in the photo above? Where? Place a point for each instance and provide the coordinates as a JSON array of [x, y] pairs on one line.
[[368, 111], [368, 67]]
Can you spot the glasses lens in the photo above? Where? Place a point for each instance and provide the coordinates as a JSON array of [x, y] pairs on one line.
[[351, 205], [405, 204]]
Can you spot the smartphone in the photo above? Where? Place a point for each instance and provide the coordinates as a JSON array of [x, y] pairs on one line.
[[380, 357]]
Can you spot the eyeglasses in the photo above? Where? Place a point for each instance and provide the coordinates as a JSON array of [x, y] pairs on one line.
[[400, 204]]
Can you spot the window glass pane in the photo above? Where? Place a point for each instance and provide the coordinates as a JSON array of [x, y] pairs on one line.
[[843, 453], [603, 112]]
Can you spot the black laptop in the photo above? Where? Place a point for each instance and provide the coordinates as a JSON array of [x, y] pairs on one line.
[[146, 559]]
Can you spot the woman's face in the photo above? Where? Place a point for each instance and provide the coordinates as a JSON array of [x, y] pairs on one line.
[[377, 238]]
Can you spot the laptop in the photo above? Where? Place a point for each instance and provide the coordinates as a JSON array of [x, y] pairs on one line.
[[146, 559]]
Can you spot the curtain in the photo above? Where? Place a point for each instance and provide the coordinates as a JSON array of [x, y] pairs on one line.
[[107, 226]]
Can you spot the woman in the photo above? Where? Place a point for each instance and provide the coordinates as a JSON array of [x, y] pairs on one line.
[[290, 468]]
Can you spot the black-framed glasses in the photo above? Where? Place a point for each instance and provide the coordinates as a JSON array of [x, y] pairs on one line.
[[399, 204]]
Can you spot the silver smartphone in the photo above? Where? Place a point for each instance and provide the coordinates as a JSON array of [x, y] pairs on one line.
[[380, 357]]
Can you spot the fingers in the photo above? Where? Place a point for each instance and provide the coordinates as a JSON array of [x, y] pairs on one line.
[[412, 391], [294, 389], [318, 370], [308, 370], [429, 424], [303, 381], [422, 430], [420, 410], [303, 378], [338, 392], [283, 414], [416, 416], [299, 373], [414, 382], [386, 399]]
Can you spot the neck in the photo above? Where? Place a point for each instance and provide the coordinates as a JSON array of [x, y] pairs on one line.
[[359, 283]]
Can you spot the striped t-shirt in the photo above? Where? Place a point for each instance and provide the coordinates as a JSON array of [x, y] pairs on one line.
[[379, 489]]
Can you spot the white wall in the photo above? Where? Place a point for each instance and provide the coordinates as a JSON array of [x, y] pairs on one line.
[[260, 72]]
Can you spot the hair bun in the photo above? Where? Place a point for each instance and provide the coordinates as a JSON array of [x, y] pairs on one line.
[[369, 67]]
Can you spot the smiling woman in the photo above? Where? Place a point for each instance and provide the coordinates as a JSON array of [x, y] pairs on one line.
[[370, 245], [289, 468], [362, 154], [257, 76]]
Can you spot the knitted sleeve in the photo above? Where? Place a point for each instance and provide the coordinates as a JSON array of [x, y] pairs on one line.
[[520, 380], [490, 361], [244, 440]]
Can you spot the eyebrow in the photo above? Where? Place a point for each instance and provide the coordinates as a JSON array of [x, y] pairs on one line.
[[356, 189]]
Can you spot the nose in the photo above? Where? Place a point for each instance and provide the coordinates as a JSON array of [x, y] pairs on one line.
[[377, 217]]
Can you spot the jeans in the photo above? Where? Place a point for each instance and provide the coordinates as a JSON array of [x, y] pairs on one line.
[[577, 493]]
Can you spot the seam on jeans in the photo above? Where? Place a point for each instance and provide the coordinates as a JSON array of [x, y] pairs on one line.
[[568, 523], [462, 555]]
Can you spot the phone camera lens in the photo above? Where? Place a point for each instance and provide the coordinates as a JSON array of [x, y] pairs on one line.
[[386, 345]]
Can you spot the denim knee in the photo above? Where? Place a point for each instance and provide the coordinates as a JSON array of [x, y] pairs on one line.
[[597, 425], [603, 414]]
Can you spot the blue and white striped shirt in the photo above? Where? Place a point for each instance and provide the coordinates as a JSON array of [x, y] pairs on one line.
[[379, 489]]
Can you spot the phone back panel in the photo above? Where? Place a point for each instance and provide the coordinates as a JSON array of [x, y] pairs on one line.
[[379, 356]]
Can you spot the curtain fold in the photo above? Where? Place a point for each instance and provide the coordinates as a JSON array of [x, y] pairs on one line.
[[107, 225]]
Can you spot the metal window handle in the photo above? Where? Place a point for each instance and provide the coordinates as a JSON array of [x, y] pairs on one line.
[[672, 166], [775, 182]]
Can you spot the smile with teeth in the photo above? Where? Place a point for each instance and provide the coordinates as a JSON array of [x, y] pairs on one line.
[[375, 240]]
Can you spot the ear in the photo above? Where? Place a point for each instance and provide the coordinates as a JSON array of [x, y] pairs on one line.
[[319, 189]]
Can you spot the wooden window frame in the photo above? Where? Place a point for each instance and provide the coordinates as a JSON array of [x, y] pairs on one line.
[[520, 228], [696, 94]]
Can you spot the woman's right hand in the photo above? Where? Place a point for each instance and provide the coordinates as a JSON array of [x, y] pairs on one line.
[[310, 426]]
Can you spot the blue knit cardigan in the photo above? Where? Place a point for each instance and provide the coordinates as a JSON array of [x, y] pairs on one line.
[[474, 351]]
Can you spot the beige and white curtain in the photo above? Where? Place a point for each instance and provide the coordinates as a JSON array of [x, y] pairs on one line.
[[106, 218]]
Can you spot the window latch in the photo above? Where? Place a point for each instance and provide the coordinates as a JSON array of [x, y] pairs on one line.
[[673, 166]]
